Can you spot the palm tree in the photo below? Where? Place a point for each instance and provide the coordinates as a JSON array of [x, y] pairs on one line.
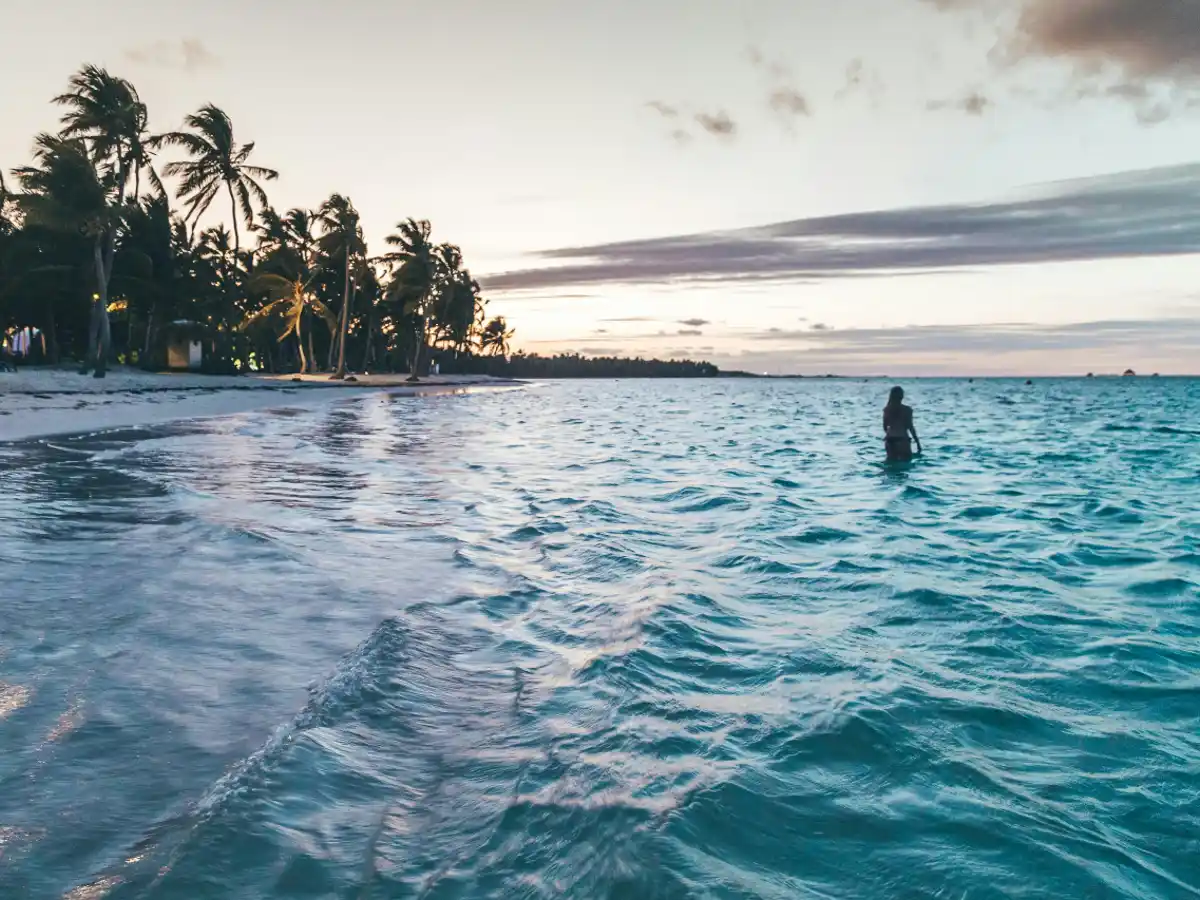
[[414, 281], [107, 112], [293, 296], [217, 161], [106, 116], [458, 298], [495, 337], [66, 193], [294, 229], [7, 221], [342, 241], [153, 264], [220, 275]]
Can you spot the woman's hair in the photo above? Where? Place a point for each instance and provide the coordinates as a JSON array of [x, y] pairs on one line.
[[896, 397]]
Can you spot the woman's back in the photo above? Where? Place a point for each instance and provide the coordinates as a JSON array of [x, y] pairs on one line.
[[897, 419]]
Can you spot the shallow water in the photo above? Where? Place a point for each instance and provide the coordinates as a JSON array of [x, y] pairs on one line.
[[610, 640]]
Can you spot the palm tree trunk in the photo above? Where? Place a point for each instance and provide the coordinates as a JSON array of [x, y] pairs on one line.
[[369, 344], [312, 354], [149, 333], [415, 374], [300, 350], [345, 326], [99, 335], [233, 203], [52, 330]]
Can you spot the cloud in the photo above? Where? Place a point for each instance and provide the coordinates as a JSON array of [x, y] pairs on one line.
[[789, 102], [694, 323], [1145, 52], [1144, 38], [664, 109], [718, 124], [975, 103], [689, 332], [784, 98], [1099, 346], [820, 326], [773, 68], [861, 80], [1134, 214], [187, 55], [632, 319]]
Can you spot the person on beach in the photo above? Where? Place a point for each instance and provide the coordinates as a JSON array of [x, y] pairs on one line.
[[897, 426]]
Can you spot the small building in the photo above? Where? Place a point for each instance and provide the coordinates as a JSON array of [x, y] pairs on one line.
[[186, 345]]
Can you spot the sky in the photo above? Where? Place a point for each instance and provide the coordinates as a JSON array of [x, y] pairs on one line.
[[891, 187]]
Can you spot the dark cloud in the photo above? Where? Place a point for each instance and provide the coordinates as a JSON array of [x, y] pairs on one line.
[[975, 103], [188, 55], [718, 124], [689, 332], [820, 326], [1144, 38], [1137, 214], [694, 323], [1146, 52]]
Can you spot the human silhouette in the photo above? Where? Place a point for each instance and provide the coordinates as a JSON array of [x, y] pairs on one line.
[[897, 426]]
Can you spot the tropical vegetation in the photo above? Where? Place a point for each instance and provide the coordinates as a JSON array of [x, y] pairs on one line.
[[115, 236]]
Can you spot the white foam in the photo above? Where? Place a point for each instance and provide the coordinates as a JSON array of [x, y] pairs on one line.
[[44, 402]]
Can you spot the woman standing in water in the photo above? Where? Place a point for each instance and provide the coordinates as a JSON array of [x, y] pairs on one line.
[[897, 426]]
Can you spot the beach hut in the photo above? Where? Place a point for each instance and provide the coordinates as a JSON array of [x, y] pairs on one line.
[[186, 345]]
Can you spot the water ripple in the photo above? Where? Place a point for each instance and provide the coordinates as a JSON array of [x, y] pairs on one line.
[[621, 640]]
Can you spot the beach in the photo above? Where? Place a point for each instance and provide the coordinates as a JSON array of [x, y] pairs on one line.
[[44, 402]]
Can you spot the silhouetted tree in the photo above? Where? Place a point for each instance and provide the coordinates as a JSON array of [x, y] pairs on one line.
[[343, 242], [413, 283], [217, 161]]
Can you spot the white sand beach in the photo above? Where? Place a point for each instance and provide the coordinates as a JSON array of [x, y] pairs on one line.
[[43, 402]]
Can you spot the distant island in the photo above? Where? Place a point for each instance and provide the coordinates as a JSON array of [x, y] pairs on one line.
[[571, 365]]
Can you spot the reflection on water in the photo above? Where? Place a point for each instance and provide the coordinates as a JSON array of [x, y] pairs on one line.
[[636, 639]]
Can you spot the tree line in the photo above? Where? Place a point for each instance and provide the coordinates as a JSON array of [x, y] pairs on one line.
[[98, 256]]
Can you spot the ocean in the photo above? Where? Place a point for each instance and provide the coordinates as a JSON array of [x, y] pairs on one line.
[[629, 640]]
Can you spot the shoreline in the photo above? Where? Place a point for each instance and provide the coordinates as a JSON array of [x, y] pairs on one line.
[[41, 403]]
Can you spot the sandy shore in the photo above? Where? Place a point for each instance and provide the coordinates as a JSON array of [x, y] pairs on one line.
[[41, 402]]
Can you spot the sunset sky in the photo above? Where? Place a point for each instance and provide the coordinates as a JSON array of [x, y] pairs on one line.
[[867, 186]]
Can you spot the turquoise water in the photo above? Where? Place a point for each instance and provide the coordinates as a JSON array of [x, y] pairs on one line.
[[610, 640]]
